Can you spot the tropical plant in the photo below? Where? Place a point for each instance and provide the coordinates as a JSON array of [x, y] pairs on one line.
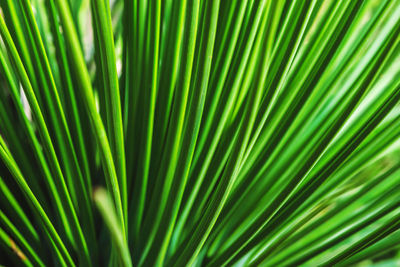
[[199, 133]]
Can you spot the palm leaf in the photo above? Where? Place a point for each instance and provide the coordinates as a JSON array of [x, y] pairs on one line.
[[218, 133]]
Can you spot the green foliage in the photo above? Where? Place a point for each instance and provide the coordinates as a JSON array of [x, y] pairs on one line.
[[216, 133]]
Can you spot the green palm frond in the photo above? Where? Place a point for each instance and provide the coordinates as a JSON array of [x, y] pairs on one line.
[[216, 133]]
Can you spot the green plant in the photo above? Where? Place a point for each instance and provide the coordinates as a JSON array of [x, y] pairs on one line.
[[218, 133]]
